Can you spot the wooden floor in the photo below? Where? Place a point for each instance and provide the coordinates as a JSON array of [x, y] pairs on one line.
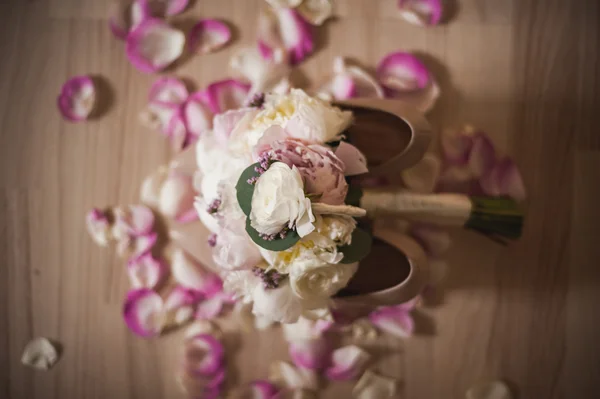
[[526, 71]]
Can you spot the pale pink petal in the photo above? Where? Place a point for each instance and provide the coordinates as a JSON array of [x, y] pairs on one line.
[[98, 226], [204, 356], [421, 12], [198, 113], [393, 320], [175, 7], [348, 363], [143, 245], [212, 307], [310, 354], [456, 146], [374, 386], [343, 87], [355, 163], [364, 85], [151, 186], [141, 220], [434, 240], [226, 94], [483, 155], [265, 75], [176, 196], [143, 312], [284, 3], [126, 15], [504, 180], [271, 135], [293, 377], [423, 176], [168, 92], [181, 296], [189, 216], [189, 273], [316, 11], [77, 98], [209, 35], [260, 389], [285, 28], [225, 123], [154, 45], [146, 271]]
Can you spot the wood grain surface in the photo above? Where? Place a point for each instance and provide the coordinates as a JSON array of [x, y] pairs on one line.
[[526, 71]]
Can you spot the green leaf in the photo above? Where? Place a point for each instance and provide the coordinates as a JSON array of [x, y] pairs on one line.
[[359, 248], [280, 244], [245, 191], [354, 195]]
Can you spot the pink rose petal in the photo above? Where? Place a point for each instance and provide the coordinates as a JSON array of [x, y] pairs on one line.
[[135, 220], [225, 123], [143, 245], [316, 11], [126, 15], [189, 273], [403, 72], [285, 28], [180, 304], [355, 163], [456, 146], [312, 354], [270, 136], [213, 306], [226, 94], [364, 85], [265, 75], [188, 217], [293, 377], [504, 179], [143, 312], [154, 45], [421, 12], [483, 155], [348, 363], [394, 320], [146, 271], [168, 92], [173, 7], [77, 98], [98, 226], [204, 357], [209, 35], [176, 196], [198, 114]]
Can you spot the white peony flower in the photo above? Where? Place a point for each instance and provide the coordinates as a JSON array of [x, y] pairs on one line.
[[312, 251], [336, 227], [282, 304], [241, 284], [235, 251], [320, 282], [279, 202]]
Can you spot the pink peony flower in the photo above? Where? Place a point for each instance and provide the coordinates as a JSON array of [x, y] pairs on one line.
[[321, 169]]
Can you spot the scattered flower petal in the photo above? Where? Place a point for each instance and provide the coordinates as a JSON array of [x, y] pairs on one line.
[[98, 226], [265, 76], [77, 98], [316, 11], [434, 240], [189, 273], [355, 163], [312, 354], [203, 327], [421, 12], [135, 220], [259, 389], [293, 377], [407, 79], [348, 363], [285, 28], [209, 35], [213, 307], [146, 271], [204, 354], [198, 114], [143, 312], [168, 92], [40, 354], [180, 303], [226, 94], [363, 330], [364, 85], [489, 390], [151, 186], [456, 146], [126, 15], [371, 386], [177, 195], [423, 177], [284, 3], [394, 320], [154, 45], [504, 179]]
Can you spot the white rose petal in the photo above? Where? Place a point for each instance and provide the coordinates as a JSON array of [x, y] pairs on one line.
[[40, 354], [279, 202], [279, 304], [235, 251], [321, 282], [337, 228]]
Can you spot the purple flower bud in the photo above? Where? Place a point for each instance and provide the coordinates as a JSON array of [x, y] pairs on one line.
[[212, 240]]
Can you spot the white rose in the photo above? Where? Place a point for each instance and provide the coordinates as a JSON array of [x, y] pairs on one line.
[[321, 282], [279, 202], [282, 304], [235, 251], [337, 228]]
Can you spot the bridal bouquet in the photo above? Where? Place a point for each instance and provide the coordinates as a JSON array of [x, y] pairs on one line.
[[272, 190]]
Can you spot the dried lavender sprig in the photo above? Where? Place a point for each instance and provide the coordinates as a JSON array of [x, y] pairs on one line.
[[212, 240]]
